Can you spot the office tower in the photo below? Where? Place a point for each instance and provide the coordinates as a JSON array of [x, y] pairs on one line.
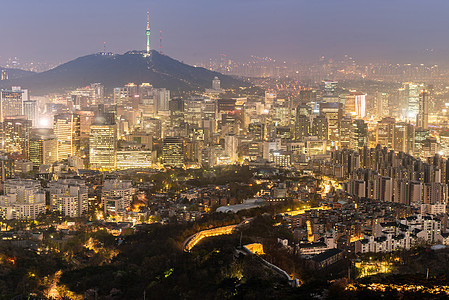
[[6, 168], [410, 143], [355, 104], [302, 126], [231, 144], [216, 85], [385, 132], [333, 112], [281, 114], [121, 95], [347, 132], [382, 108], [43, 147], [330, 91], [15, 136], [320, 128], [87, 118], [423, 114], [162, 98], [103, 146], [360, 133], [270, 96], [192, 112], [257, 131], [146, 99], [11, 102], [69, 197], [67, 130], [429, 147], [420, 136], [30, 111], [444, 143], [400, 137], [129, 158], [412, 91], [173, 152]]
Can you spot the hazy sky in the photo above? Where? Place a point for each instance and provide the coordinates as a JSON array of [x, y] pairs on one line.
[[393, 30]]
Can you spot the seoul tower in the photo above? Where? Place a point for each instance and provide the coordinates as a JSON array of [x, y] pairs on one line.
[[148, 32]]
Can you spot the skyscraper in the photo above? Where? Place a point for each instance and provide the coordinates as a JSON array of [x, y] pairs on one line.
[[67, 130], [355, 104], [330, 91], [30, 111], [320, 128], [162, 98], [103, 146], [43, 147], [333, 112], [302, 126], [173, 152], [423, 114], [15, 135], [11, 102], [412, 94]]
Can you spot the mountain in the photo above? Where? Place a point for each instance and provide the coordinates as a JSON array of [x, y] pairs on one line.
[[114, 70], [16, 73]]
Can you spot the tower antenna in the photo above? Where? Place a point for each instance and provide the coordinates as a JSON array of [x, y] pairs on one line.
[[104, 47], [148, 32]]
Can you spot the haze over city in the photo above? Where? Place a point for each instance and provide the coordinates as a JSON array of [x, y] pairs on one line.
[[239, 149], [403, 31]]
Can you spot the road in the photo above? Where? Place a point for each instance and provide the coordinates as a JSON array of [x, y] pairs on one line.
[[193, 240]]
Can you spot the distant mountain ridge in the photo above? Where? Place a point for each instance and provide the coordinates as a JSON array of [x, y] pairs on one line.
[[16, 73], [114, 70]]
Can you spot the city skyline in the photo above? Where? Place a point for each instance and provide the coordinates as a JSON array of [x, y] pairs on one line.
[[290, 30]]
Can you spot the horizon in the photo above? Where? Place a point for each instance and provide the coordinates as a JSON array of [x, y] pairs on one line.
[[295, 31]]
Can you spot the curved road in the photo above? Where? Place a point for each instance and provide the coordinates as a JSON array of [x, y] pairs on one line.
[[193, 240]]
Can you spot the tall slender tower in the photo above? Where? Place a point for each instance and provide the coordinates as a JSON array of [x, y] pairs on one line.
[[148, 32]]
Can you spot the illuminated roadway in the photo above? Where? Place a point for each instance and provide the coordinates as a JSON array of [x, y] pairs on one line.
[[193, 240]]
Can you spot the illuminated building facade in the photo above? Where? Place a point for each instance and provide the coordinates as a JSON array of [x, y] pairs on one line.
[[173, 152], [67, 130], [103, 147], [43, 148], [11, 102], [15, 135], [69, 197]]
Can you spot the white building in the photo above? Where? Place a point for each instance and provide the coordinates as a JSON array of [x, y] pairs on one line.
[[23, 199], [117, 195], [69, 197], [402, 234]]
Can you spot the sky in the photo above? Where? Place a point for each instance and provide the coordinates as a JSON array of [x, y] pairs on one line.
[[57, 31]]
